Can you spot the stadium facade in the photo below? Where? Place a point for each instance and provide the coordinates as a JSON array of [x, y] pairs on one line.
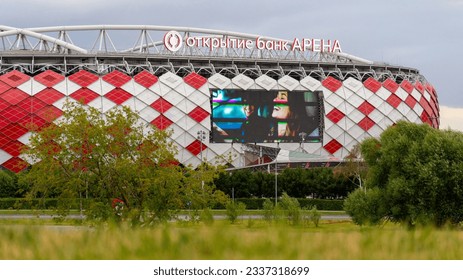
[[199, 83]]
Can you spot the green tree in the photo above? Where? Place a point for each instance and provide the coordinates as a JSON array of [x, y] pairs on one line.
[[418, 173], [88, 155], [8, 186]]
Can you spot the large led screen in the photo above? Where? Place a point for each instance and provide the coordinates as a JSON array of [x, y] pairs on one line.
[[259, 116]]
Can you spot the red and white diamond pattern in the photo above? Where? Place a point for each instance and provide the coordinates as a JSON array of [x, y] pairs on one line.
[[353, 109]]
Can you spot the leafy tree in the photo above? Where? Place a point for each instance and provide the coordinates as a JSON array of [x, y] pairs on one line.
[[418, 173], [107, 158], [8, 187]]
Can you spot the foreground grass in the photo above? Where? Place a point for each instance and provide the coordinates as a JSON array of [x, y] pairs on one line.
[[221, 240]]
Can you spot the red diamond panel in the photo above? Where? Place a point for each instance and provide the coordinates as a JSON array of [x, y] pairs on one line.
[[4, 105], [335, 115], [161, 105], [14, 131], [333, 146], [4, 87], [332, 84], [83, 78], [145, 79], [419, 86], [410, 101], [49, 96], [407, 86], [198, 114], [14, 96], [116, 78], [32, 104], [4, 140], [431, 90], [14, 78], [14, 148], [32, 123], [14, 113], [195, 80], [366, 108], [366, 123], [195, 147], [84, 95], [161, 122], [425, 118], [425, 104], [394, 100], [49, 113], [118, 96], [372, 84], [390, 85], [15, 164], [3, 122], [49, 78]]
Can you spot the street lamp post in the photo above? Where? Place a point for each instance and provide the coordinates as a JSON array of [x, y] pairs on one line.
[[303, 135], [276, 176], [201, 136]]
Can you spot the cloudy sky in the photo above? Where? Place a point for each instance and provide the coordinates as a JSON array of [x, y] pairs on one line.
[[423, 34]]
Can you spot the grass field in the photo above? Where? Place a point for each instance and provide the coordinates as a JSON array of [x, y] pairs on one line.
[[249, 239]]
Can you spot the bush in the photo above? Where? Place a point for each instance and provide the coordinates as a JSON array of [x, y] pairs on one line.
[[206, 216], [292, 209], [315, 216], [234, 210], [268, 208], [365, 207]]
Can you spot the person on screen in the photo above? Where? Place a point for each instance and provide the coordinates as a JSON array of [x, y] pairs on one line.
[[256, 125], [289, 112]]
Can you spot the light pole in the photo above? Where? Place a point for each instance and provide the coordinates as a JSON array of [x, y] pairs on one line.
[[276, 176], [303, 135], [201, 136]]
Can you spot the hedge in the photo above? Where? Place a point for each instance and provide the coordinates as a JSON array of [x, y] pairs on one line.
[[307, 203], [251, 203]]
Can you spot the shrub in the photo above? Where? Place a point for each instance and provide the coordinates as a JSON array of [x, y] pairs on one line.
[[234, 210], [292, 209]]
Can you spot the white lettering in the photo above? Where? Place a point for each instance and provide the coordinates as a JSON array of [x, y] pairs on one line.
[[260, 44], [306, 44], [336, 46], [316, 45], [326, 46], [249, 44], [296, 46]]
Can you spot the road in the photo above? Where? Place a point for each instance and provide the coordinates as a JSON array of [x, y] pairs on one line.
[[182, 217]]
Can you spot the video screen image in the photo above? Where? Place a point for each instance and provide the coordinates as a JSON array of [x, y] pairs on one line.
[[259, 116]]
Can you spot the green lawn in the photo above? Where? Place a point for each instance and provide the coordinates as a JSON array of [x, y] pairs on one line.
[[248, 239]]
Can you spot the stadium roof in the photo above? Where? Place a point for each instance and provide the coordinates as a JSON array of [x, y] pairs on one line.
[[148, 39]]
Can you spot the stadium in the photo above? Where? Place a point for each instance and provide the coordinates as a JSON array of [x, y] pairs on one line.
[[223, 94]]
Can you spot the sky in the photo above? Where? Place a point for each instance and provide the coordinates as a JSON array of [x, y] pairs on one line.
[[422, 34]]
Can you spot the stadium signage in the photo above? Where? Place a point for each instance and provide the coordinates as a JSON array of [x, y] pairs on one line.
[[173, 41]]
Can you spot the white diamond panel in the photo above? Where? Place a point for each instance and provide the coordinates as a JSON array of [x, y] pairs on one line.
[[311, 83], [266, 82], [288, 82], [401, 93], [148, 97], [174, 114], [171, 80], [383, 93], [416, 94], [149, 114], [4, 156], [243, 81], [219, 81]]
